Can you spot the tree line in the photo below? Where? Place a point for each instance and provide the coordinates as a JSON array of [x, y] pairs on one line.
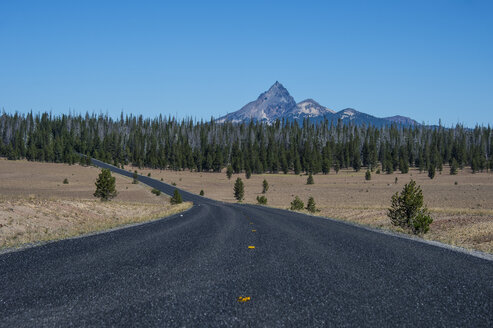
[[167, 143]]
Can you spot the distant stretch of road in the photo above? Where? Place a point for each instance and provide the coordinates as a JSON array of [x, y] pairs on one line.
[[222, 265]]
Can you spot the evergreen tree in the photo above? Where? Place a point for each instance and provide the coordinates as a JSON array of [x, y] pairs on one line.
[[336, 167], [310, 206], [297, 204], [176, 199], [431, 171], [326, 166], [368, 175], [297, 165], [310, 180], [105, 186], [265, 186], [454, 167], [404, 166], [407, 210], [239, 190], [248, 173], [229, 172]]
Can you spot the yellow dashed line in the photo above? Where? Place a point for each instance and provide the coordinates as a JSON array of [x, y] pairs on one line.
[[251, 247], [254, 230], [242, 299]]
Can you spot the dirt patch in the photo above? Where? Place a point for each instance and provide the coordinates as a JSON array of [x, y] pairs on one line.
[[36, 206]]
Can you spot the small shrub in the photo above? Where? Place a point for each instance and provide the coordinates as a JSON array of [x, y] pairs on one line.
[[310, 206], [65, 181], [456, 183], [297, 204], [149, 174], [161, 179], [173, 183], [202, 192], [378, 171], [310, 180], [396, 180], [407, 209], [248, 173], [135, 177], [265, 186], [156, 191], [239, 190], [368, 175], [262, 200], [176, 199]]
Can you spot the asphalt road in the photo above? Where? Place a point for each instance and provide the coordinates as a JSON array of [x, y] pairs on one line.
[[189, 270]]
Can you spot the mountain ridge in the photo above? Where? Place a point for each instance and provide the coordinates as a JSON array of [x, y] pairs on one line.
[[277, 103]]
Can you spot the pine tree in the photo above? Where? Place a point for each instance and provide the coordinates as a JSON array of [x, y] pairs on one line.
[[105, 186], [431, 171], [403, 166], [248, 173], [239, 190], [265, 186], [325, 166], [407, 210], [454, 167], [297, 204], [229, 172], [297, 165], [310, 180], [176, 199], [368, 175], [310, 206]]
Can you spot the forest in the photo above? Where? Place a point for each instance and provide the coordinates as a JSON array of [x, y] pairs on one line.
[[167, 143]]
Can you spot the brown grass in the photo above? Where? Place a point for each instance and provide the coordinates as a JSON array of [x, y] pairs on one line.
[[36, 206], [463, 213]]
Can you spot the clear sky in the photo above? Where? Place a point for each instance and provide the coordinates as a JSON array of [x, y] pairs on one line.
[[429, 60]]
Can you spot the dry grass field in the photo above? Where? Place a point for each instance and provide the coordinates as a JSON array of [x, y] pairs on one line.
[[36, 206], [462, 212]]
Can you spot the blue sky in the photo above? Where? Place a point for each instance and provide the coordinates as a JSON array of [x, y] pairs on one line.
[[429, 60]]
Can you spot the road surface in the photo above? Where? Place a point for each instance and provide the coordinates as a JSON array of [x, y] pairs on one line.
[[290, 270]]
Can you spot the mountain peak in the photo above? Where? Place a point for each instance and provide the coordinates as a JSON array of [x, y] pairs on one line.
[[311, 108], [269, 106], [276, 88], [276, 103]]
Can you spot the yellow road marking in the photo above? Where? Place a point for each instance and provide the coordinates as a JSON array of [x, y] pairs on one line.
[[251, 222], [242, 299], [251, 246], [254, 230]]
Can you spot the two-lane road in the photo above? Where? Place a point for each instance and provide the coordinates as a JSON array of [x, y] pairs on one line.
[[189, 270]]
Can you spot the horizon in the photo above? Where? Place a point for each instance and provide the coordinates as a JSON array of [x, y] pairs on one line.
[[426, 61]]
